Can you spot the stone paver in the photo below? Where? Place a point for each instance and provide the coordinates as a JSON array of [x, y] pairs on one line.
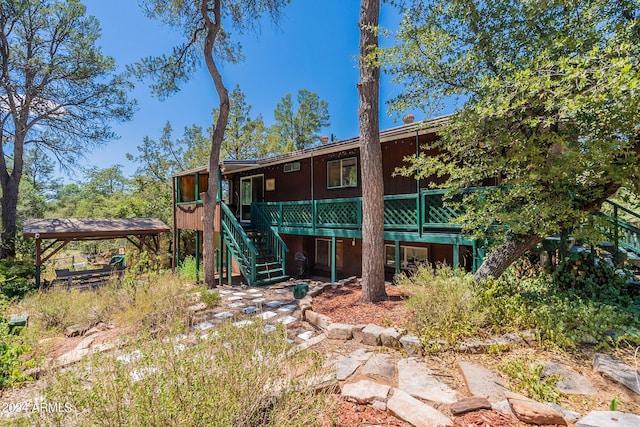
[[417, 380], [412, 345], [609, 419], [616, 370], [365, 391], [482, 382], [571, 382], [371, 334], [390, 337], [380, 365], [340, 331], [415, 412]]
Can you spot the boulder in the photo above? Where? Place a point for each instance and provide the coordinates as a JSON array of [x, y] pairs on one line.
[[532, 412], [469, 404]]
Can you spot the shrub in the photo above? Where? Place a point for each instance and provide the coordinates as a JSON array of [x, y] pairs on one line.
[[211, 297], [11, 351], [187, 269], [526, 377], [444, 302], [16, 278]]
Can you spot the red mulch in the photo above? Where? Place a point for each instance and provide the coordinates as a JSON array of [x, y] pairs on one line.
[[352, 414], [484, 418], [344, 305]]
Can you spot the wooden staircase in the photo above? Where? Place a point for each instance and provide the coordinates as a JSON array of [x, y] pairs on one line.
[[259, 251]]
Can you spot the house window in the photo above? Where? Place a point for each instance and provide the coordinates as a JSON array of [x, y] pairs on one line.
[[291, 167], [323, 253], [342, 173], [410, 256]]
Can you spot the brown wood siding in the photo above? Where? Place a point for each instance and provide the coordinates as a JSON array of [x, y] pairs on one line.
[[189, 217], [294, 186]]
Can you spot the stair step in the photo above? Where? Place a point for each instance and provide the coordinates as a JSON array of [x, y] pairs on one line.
[[271, 280], [269, 264]]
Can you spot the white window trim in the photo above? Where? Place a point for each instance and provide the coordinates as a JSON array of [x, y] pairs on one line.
[[403, 254], [328, 253]]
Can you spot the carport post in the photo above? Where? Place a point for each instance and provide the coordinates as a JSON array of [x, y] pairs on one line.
[[38, 261]]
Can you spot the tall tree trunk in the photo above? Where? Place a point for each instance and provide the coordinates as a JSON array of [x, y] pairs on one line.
[[9, 209], [210, 198], [372, 182]]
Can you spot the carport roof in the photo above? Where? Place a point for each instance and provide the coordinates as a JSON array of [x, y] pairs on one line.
[[91, 228]]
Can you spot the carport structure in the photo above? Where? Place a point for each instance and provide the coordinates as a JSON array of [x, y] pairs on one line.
[[52, 235]]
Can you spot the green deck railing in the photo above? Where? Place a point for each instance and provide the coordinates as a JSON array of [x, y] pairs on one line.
[[622, 233], [243, 250], [405, 212]]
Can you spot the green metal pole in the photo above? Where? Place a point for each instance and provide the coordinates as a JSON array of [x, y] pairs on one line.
[[197, 257], [418, 201], [397, 256], [334, 273], [177, 243], [456, 255], [616, 236], [229, 267]]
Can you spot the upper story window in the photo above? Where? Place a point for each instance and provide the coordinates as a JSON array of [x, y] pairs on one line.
[[291, 167], [190, 187], [342, 173]]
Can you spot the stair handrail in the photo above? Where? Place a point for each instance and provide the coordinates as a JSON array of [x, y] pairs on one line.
[[275, 243], [247, 253]]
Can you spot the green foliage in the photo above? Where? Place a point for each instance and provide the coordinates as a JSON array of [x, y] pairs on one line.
[[187, 270], [298, 129], [238, 376], [245, 136], [549, 95], [449, 305], [593, 278], [16, 278], [445, 304], [11, 350], [563, 318], [211, 297], [526, 377]]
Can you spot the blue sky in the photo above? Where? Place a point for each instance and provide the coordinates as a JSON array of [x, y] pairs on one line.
[[314, 48]]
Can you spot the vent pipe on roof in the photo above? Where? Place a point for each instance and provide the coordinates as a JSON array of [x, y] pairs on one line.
[[408, 118], [324, 139]]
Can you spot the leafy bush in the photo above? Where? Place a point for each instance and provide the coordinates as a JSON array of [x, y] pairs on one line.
[[564, 318], [11, 350], [526, 377], [445, 304], [449, 305], [211, 297], [16, 278], [187, 270], [593, 277], [236, 377]]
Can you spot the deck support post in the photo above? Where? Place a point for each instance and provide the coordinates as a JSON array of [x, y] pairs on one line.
[[397, 257], [177, 248], [229, 267], [197, 257], [456, 255], [333, 260]]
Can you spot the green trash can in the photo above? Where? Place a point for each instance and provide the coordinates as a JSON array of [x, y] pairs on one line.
[[300, 290], [16, 323]]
